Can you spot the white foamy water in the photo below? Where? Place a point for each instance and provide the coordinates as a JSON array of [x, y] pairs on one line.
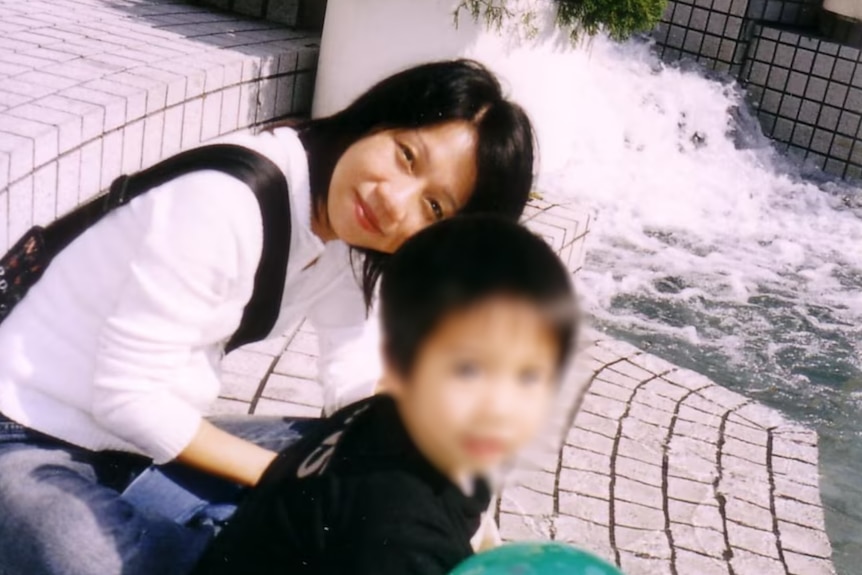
[[708, 248]]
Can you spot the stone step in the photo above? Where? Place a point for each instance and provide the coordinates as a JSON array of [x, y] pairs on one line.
[[90, 89]]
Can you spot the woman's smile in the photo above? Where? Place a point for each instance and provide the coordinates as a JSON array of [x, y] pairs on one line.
[[366, 217]]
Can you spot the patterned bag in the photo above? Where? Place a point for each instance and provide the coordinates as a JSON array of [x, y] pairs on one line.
[[23, 265]]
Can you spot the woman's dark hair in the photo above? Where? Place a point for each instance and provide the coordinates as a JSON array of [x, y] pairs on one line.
[[435, 274], [423, 96]]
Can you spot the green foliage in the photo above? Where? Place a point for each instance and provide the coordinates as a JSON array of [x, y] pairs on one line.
[[620, 18]]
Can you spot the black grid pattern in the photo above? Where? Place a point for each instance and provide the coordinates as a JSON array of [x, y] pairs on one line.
[[808, 95], [709, 31]]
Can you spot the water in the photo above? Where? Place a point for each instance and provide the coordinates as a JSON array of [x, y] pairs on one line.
[[708, 248]]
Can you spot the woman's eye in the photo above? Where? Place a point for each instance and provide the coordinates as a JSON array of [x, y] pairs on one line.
[[437, 209], [407, 153]]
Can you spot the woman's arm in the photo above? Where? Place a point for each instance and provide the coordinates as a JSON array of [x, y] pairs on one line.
[[195, 247], [219, 453]]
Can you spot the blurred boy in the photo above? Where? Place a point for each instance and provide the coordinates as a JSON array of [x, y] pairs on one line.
[[477, 316]]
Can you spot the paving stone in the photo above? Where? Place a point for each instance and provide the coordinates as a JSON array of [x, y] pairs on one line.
[[755, 540], [633, 564], [608, 376], [590, 441], [585, 460], [603, 406], [698, 539], [690, 491], [597, 424], [688, 379], [523, 528], [537, 480], [297, 365], [785, 487], [293, 390], [592, 484], [632, 371], [804, 540], [638, 516], [800, 513], [644, 544], [636, 492], [686, 413], [225, 406], [796, 434], [519, 499], [652, 364], [723, 397], [794, 450], [694, 564], [247, 363], [746, 434], [799, 471], [238, 386], [610, 390], [637, 450], [585, 534], [666, 389], [741, 449], [650, 436], [745, 562], [761, 415], [700, 403], [272, 347], [45, 194], [638, 471], [803, 565], [588, 508], [694, 430], [747, 513], [697, 515]]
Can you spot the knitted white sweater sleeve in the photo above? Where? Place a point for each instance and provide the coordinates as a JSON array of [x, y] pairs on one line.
[[181, 290]]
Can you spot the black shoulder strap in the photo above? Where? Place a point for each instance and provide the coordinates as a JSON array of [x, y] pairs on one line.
[[270, 188]]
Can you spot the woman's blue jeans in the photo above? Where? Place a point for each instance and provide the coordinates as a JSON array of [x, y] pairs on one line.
[[65, 510]]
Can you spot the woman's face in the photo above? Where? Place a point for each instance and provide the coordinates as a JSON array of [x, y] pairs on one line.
[[388, 186]]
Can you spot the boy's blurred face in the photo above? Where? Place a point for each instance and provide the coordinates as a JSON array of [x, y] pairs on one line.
[[481, 385]]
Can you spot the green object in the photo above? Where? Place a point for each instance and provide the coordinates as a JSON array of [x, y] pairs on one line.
[[535, 559], [620, 18]]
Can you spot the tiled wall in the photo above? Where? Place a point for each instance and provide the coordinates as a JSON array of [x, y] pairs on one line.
[[300, 13], [808, 95], [89, 90]]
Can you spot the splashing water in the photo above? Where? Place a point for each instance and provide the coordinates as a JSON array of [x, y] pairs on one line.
[[708, 248]]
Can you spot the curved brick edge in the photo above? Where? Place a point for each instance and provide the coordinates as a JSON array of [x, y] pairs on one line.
[[91, 89], [663, 471]]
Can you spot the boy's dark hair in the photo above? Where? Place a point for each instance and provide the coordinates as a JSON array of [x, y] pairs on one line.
[[459, 262], [424, 96]]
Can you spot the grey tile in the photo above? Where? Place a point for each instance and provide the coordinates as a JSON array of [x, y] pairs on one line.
[[809, 112], [857, 77], [843, 71], [854, 100], [716, 24], [829, 48], [853, 173], [835, 167], [816, 89], [772, 13], [723, 67], [693, 41], [758, 73], [710, 47], [722, 6], [829, 118], [784, 55], [661, 32], [856, 155], [841, 147], [823, 65], [771, 101], [783, 129], [797, 83], [738, 7], [790, 107], [777, 78], [756, 8], [767, 122], [815, 160], [699, 18], [849, 53], [836, 94], [733, 28], [802, 135], [803, 61], [727, 50], [808, 42], [796, 153], [790, 13], [822, 141], [789, 38], [676, 36], [848, 123], [765, 51], [681, 15]]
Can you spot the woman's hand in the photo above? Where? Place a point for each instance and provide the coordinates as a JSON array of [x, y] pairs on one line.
[[219, 453]]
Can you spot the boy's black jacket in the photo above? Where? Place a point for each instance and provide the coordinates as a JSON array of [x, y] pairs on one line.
[[354, 497]]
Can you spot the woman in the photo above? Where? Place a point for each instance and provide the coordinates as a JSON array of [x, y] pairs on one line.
[[112, 359]]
